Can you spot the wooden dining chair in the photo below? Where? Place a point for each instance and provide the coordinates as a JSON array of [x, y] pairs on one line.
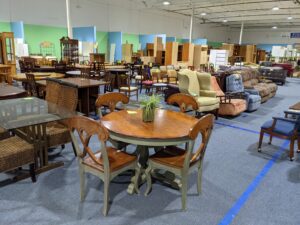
[[105, 162], [184, 101], [110, 101], [33, 89], [125, 86], [181, 162], [85, 73]]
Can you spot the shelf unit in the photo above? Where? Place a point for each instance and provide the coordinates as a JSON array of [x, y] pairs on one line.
[[200, 56], [171, 54], [7, 55], [218, 57], [248, 52], [69, 50]]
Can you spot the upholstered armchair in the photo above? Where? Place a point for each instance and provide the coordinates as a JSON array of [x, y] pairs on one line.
[[230, 104], [198, 85], [234, 84], [284, 128]]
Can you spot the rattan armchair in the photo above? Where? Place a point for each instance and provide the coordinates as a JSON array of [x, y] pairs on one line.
[[16, 152], [105, 162], [181, 162]]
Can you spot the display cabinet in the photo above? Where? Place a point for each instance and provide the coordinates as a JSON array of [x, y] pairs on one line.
[[69, 50], [7, 56]]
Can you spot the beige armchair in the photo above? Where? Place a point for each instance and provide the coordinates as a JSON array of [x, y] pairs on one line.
[[198, 85]]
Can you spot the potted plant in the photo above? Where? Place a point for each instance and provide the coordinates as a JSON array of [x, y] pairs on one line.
[[148, 107]]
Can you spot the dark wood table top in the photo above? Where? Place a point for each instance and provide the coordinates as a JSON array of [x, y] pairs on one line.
[[8, 92], [167, 124], [84, 83], [296, 106], [80, 82]]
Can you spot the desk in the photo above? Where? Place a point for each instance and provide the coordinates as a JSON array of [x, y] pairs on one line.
[[38, 76], [28, 118], [9, 92], [86, 88], [127, 126]]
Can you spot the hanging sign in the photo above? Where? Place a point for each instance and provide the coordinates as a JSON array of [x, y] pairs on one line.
[[295, 35]]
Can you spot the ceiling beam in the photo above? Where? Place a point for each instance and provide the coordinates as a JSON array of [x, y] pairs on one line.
[[232, 4]]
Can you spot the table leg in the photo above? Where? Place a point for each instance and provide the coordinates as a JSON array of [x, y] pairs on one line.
[[83, 96], [139, 177]]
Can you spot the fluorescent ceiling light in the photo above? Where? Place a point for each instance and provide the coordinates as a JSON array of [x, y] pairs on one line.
[[274, 27], [203, 14], [290, 18], [225, 21], [275, 8], [166, 3]]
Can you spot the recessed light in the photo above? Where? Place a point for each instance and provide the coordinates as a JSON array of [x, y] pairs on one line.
[[225, 21], [203, 14], [290, 18], [275, 8], [274, 27], [166, 3]]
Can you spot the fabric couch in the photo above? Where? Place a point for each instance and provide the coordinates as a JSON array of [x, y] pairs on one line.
[[275, 74], [251, 80], [234, 84]]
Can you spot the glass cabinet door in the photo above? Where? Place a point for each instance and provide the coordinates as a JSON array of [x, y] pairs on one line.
[[8, 48]]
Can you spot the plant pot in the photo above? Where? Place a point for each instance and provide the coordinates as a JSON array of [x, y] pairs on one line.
[[148, 114]]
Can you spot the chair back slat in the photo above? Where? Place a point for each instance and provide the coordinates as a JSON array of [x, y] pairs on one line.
[[184, 101], [204, 127], [86, 129], [32, 85], [110, 100]]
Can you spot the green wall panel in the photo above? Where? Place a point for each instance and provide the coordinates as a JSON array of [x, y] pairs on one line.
[[131, 39], [35, 34], [102, 39], [214, 44], [5, 27]]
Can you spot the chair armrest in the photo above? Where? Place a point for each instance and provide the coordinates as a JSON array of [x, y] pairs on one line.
[[208, 93], [284, 119], [292, 113]]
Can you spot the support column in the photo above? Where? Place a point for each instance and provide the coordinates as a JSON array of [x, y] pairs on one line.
[[69, 24], [241, 33], [191, 25]]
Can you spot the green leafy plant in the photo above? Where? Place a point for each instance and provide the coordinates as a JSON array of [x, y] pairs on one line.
[[148, 105]]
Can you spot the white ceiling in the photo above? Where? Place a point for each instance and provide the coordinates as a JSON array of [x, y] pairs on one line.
[[254, 13]]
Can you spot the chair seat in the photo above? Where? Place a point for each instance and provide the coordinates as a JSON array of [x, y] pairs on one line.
[[128, 88], [57, 134], [138, 77], [206, 101], [282, 127], [170, 156], [117, 160], [15, 152], [147, 82]]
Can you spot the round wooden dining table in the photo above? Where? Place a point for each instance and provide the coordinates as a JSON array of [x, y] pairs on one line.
[[168, 128]]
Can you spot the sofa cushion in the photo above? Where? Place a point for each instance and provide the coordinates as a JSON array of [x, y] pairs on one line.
[[206, 101], [254, 81], [263, 89]]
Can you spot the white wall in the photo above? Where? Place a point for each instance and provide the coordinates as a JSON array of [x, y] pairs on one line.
[[119, 15], [264, 36]]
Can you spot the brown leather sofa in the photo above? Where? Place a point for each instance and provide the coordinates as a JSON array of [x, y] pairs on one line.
[[252, 80]]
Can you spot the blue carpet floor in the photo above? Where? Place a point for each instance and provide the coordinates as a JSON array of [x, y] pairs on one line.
[[240, 185]]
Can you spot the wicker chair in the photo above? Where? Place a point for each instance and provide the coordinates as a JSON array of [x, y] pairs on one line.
[[16, 152], [181, 162], [105, 163], [66, 95], [3, 133]]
